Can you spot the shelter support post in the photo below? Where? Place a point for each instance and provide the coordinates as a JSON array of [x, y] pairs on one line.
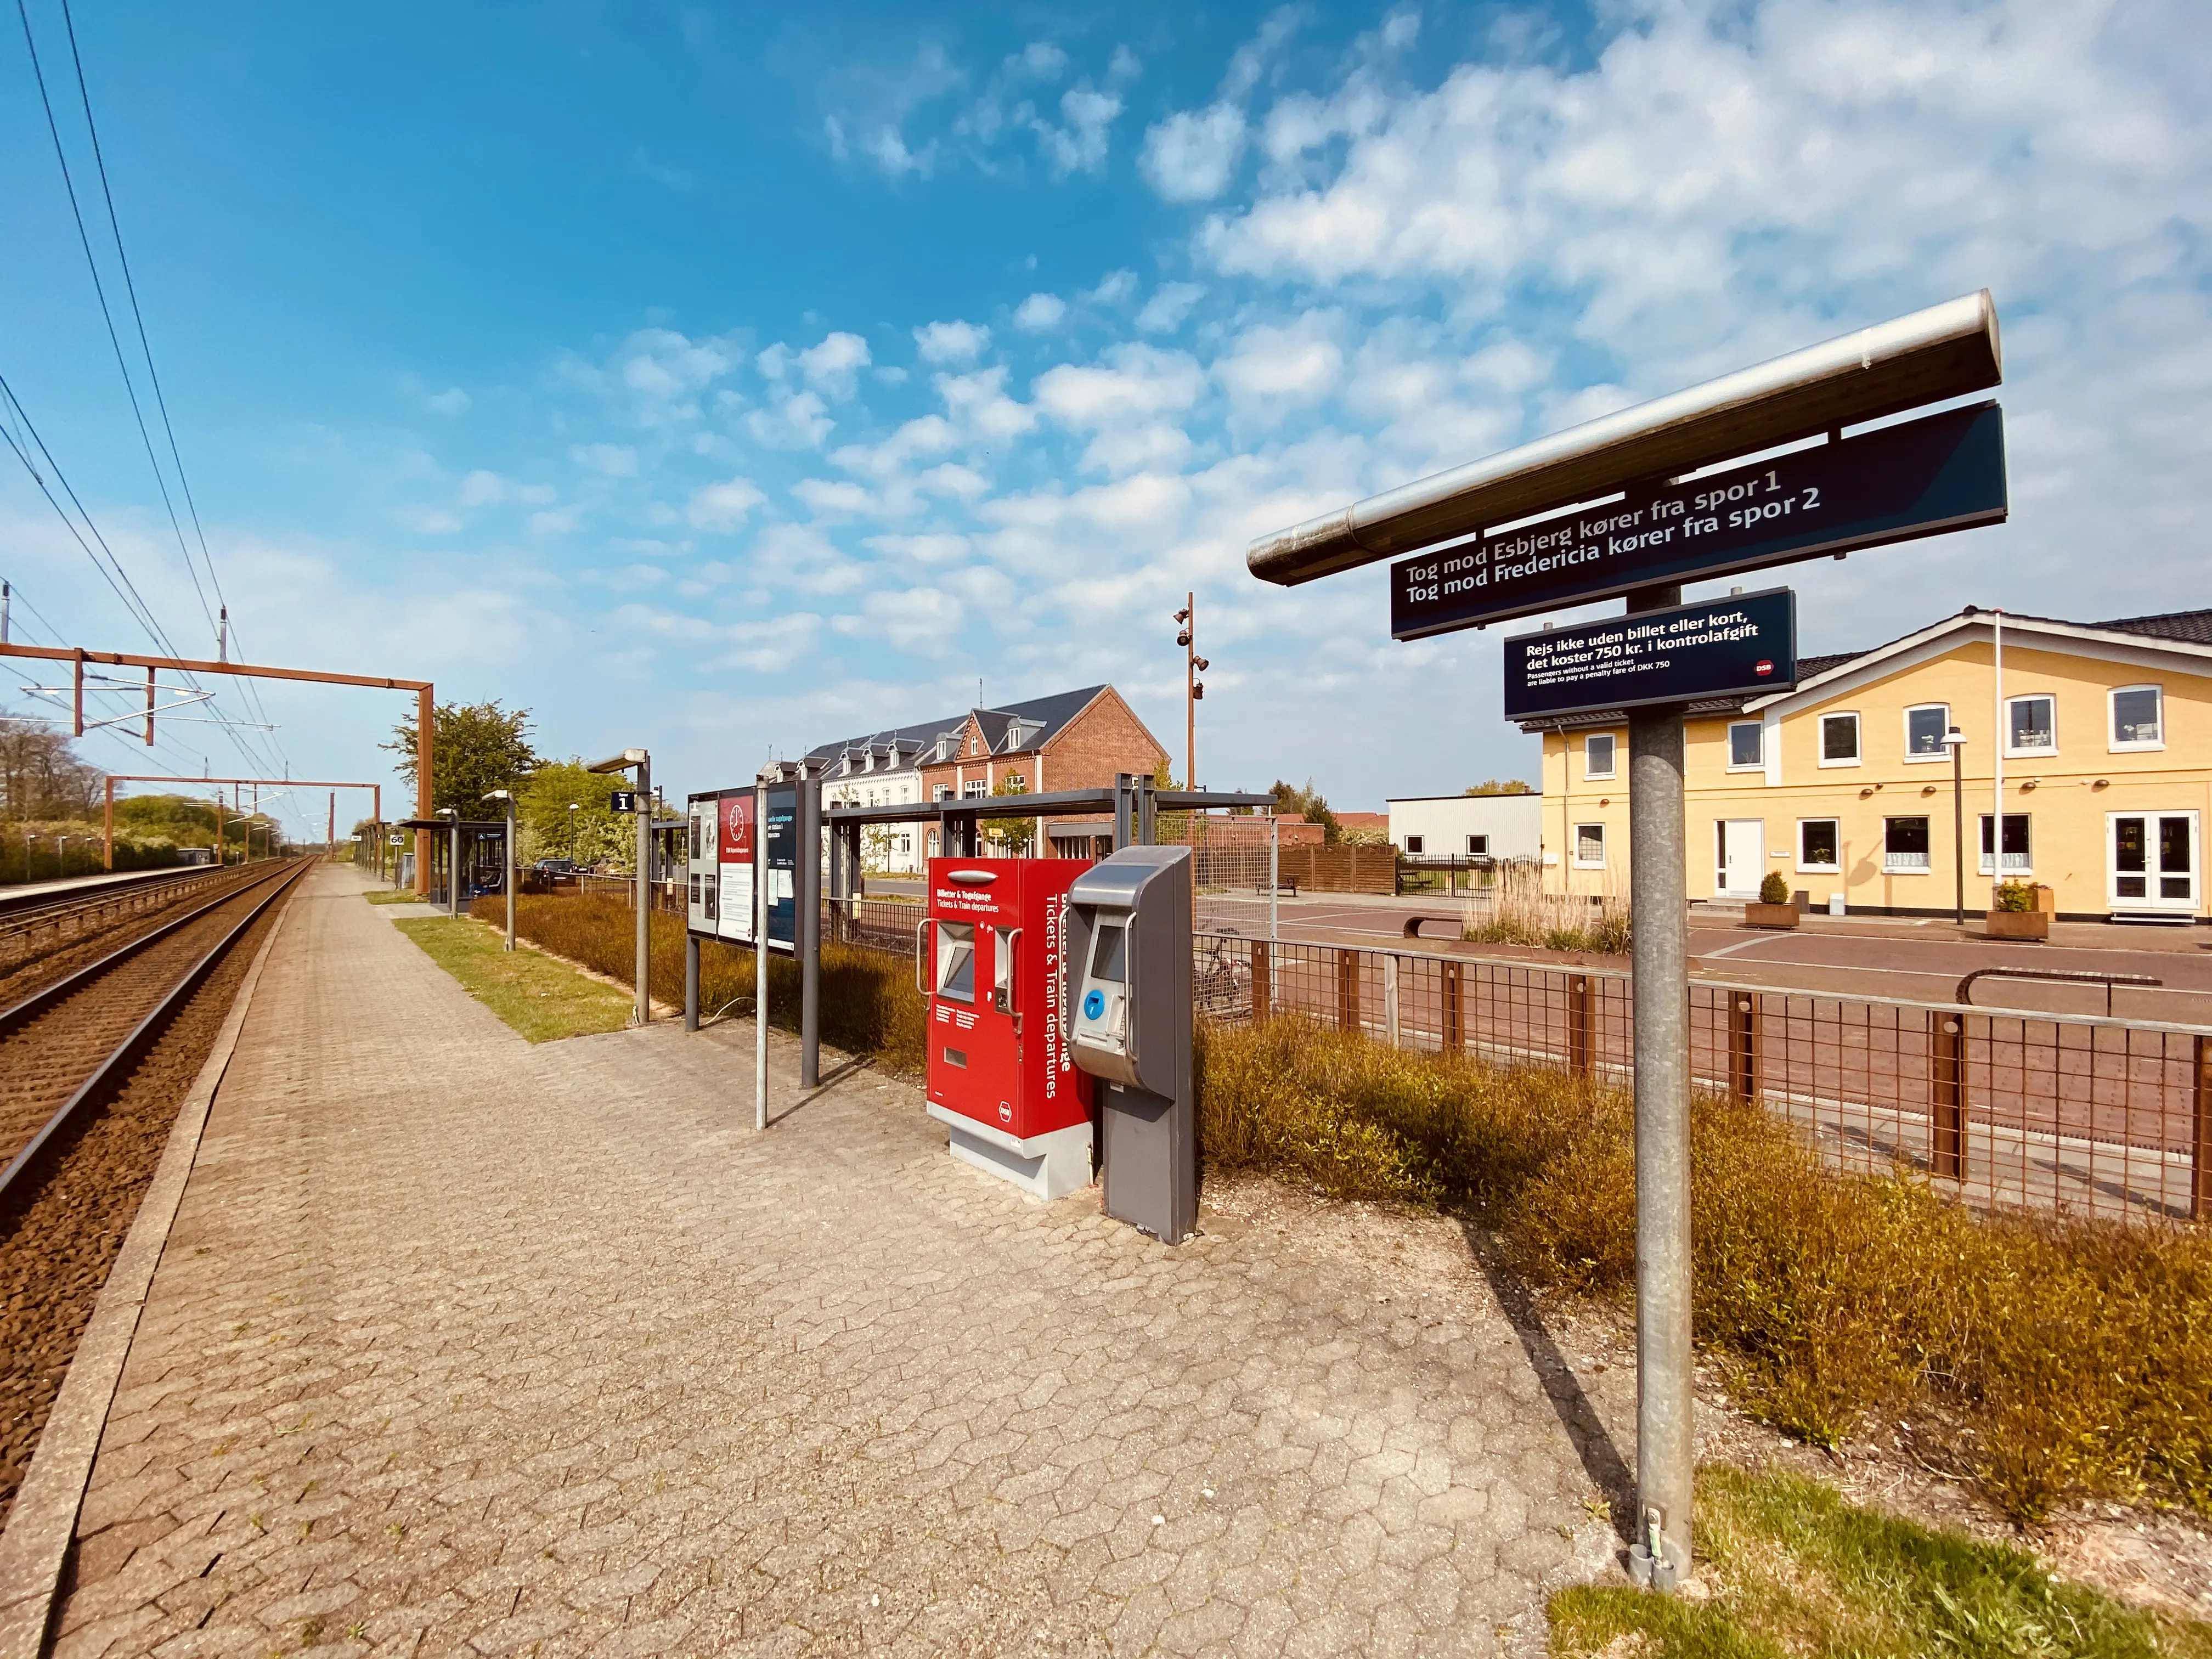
[[691, 982], [1125, 810], [509, 873], [453, 866], [1455, 1008], [1659, 930], [1582, 1025]]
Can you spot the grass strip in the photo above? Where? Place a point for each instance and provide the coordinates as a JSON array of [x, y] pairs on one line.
[[542, 999], [394, 895], [1795, 1570]]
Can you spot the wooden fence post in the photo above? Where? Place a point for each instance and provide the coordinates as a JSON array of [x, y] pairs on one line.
[[1947, 1079], [1743, 1046], [1455, 1010], [2200, 1145], [1347, 990], [1582, 1025], [1263, 980], [1391, 1023]]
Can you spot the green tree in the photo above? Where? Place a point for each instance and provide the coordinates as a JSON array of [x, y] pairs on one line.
[[1492, 786], [475, 748], [592, 834], [1312, 805], [1013, 837]]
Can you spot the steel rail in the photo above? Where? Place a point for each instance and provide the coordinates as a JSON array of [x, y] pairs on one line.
[[142, 1034], [38, 1001]]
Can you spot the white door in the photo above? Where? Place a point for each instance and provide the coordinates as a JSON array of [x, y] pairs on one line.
[[2151, 861], [1740, 850]]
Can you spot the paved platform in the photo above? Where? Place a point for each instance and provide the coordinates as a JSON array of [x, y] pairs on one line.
[[461, 1345]]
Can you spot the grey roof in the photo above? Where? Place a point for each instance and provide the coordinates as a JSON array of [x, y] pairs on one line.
[[2187, 627], [1013, 729]]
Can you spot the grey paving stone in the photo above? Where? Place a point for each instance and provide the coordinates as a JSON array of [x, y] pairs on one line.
[[483, 1348]]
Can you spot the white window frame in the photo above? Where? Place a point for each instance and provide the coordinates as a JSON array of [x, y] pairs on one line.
[[1575, 846], [1927, 869], [1612, 742], [1736, 765], [1988, 863], [2050, 697], [1805, 869], [975, 789], [2112, 744], [1858, 737], [1943, 755], [1481, 852], [1414, 844]]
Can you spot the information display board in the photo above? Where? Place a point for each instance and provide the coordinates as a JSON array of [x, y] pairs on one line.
[[779, 843], [1940, 472], [1743, 644], [735, 852]]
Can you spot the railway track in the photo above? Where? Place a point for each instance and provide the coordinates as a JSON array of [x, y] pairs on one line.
[[92, 1068]]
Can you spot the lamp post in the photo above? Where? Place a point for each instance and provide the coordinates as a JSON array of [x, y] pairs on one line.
[[1194, 690], [1955, 741], [507, 796], [642, 761], [30, 840], [574, 806], [61, 855]]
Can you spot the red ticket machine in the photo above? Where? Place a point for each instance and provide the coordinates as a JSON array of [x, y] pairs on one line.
[[1000, 1075]]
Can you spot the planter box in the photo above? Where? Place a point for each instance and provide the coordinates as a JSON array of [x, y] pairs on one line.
[[1770, 915], [2017, 924]]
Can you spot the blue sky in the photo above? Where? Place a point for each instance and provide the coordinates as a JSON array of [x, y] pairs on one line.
[[730, 379]]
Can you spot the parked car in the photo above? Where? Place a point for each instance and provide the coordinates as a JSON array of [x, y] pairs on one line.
[[555, 869]]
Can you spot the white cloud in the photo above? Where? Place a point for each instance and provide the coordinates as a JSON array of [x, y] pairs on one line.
[[831, 366], [1042, 60], [1154, 447], [1040, 313], [799, 419], [614, 460], [1114, 287], [1134, 382], [557, 521], [926, 620], [1296, 364], [719, 508], [978, 405], [1192, 154], [431, 520], [452, 401], [952, 342], [937, 547], [1171, 303], [483, 488], [838, 495], [1080, 145]]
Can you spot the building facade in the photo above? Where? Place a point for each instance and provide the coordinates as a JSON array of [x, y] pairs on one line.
[[2086, 768], [1506, 828], [1078, 740]]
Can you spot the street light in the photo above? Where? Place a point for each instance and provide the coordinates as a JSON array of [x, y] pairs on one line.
[[61, 856], [574, 805], [642, 761], [1955, 741], [507, 796]]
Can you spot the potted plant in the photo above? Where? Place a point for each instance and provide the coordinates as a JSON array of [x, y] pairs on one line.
[[2015, 914], [1773, 908]]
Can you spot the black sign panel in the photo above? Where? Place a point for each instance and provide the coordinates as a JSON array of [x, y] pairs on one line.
[[780, 866], [1941, 472], [1742, 645], [623, 800]]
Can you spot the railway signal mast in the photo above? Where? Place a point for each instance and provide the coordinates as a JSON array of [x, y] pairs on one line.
[[1193, 689]]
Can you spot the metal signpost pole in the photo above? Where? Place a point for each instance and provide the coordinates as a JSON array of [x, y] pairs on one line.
[[1659, 943], [644, 887], [510, 874], [1955, 741], [760, 957], [690, 981], [806, 931]]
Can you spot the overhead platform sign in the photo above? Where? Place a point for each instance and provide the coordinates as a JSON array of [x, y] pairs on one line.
[[1920, 478], [1745, 644]]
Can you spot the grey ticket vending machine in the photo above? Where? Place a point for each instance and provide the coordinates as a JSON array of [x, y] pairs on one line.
[[1128, 1013]]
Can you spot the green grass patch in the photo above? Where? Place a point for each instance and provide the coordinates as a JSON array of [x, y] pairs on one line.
[[392, 895], [869, 1003], [2047, 1360], [1795, 1570], [540, 997]]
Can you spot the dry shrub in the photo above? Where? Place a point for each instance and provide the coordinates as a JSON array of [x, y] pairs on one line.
[[2048, 1360], [1515, 909]]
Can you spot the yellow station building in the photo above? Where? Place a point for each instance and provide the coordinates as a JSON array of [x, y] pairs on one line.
[[2087, 768]]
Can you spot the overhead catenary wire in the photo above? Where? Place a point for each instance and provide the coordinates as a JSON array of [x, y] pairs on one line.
[[251, 692]]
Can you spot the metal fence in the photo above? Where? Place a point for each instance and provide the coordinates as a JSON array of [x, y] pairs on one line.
[[2056, 1113]]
